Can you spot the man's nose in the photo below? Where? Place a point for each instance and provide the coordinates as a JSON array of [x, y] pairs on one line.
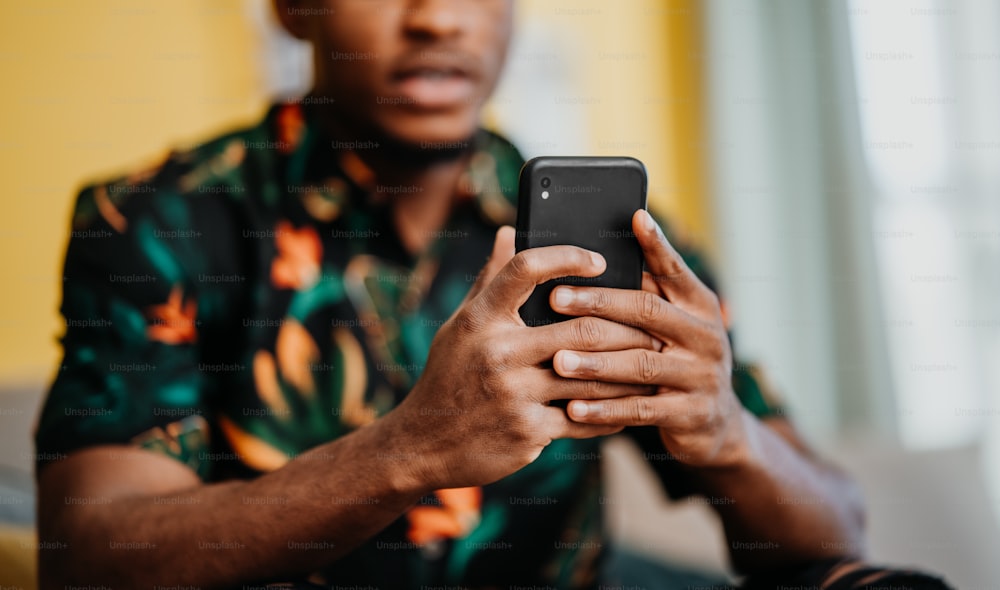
[[433, 18]]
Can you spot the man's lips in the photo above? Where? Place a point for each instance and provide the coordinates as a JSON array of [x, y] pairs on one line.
[[435, 78], [434, 88]]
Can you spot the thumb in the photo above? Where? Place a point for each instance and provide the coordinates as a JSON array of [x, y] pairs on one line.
[[503, 251]]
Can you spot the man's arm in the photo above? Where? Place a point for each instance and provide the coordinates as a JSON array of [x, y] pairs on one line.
[[481, 410], [124, 517], [779, 504], [782, 504]]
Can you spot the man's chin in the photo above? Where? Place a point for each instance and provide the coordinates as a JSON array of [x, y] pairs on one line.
[[432, 132]]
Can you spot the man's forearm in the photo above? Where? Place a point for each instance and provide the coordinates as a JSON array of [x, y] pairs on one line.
[[781, 507], [282, 524]]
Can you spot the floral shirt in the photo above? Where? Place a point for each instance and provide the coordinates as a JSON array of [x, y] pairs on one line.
[[248, 299]]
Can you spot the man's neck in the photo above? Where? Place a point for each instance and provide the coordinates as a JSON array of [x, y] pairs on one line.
[[419, 185], [421, 200]]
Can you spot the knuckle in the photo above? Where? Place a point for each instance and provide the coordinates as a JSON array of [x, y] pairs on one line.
[[697, 416], [489, 387], [589, 333], [500, 352], [686, 420], [646, 369], [465, 321], [484, 363], [641, 410], [717, 346], [648, 308], [600, 300], [705, 374], [593, 389], [675, 268], [523, 427], [534, 430], [523, 264], [509, 390]]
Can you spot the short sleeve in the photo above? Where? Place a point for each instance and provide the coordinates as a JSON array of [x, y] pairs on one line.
[[749, 383], [129, 373]]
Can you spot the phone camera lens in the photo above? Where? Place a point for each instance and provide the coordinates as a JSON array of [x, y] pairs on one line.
[[546, 182]]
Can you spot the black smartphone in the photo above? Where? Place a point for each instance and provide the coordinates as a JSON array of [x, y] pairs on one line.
[[581, 201]]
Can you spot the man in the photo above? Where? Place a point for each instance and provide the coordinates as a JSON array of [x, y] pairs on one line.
[[287, 361]]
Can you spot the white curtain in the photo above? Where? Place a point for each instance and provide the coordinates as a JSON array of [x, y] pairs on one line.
[[792, 206], [856, 180]]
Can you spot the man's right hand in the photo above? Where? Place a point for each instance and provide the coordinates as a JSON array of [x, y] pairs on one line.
[[481, 410]]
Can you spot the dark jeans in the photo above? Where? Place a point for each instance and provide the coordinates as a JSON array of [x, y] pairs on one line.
[[626, 570]]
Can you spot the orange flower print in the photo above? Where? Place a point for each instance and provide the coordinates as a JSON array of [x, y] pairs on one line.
[[297, 353], [291, 127], [173, 322], [108, 210], [299, 254], [456, 517]]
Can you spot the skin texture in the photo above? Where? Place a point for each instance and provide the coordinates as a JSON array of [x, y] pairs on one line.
[[672, 373]]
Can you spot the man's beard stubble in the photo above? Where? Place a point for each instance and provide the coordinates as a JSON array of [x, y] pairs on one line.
[[405, 154]]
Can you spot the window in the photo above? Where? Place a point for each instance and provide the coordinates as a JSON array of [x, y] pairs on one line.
[[930, 217]]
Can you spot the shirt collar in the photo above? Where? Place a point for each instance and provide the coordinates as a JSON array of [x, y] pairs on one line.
[[490, 180]]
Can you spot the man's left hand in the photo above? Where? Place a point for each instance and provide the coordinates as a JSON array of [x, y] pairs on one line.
[[692, 401]]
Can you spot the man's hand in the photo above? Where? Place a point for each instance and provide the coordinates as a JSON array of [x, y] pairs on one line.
[[481, 410], [766, 469], [699, 416]]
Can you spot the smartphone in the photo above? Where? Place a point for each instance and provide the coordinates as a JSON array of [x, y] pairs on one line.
[[581, 201]]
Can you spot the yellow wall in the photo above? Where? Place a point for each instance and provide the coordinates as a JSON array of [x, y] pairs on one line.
[[91, 88], [645, 70], [98, 86]]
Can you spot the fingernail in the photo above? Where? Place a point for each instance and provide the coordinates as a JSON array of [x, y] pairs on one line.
[[651, 226], [564, 297], [597, 259], [579, 410], [647, 222], [570, 361]]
